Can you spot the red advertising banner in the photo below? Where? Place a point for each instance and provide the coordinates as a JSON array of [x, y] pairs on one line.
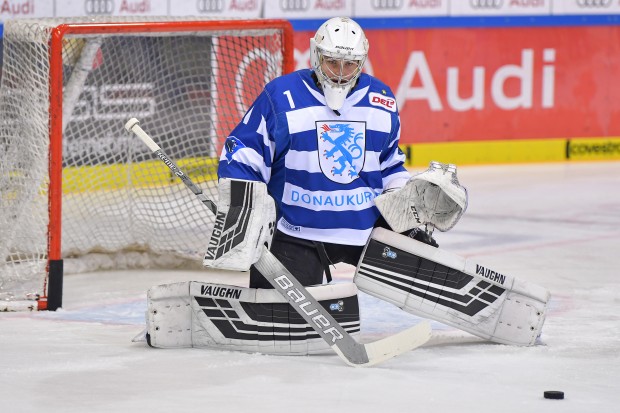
[[243, 69], [479, 84]]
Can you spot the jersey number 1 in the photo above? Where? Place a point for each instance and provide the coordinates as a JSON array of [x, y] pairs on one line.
[[287, 93]]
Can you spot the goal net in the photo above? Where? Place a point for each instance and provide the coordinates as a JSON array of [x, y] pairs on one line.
[[76, 189]]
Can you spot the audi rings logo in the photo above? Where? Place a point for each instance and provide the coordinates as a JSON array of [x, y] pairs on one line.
[[486, 4], [593, 3], [99, 6], [210, 6], [387, 4], [294, 5]]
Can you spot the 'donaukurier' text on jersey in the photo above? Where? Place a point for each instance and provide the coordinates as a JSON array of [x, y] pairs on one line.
[[323, 169]]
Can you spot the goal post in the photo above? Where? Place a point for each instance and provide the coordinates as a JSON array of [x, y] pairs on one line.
[[75, 189]]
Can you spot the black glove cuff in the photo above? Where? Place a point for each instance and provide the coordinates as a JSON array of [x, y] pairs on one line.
[[422, 236]]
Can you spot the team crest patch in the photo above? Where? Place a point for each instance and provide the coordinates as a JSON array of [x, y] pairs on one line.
[[232, 145], [342, 149]]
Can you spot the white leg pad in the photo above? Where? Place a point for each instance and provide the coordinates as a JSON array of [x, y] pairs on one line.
[[196, 314], [436, 284]]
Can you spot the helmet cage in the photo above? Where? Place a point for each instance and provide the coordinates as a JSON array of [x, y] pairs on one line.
[[338, 77]]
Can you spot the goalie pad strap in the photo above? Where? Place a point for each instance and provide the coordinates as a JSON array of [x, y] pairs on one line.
[[433, 283], [196, 314]]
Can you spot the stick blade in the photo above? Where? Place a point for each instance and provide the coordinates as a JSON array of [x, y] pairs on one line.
[[392, 346]]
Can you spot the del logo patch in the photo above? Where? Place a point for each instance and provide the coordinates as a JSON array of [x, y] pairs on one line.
[[342, 149], [382, 101]]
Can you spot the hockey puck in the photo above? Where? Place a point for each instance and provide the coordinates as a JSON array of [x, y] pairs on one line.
[[554, 394]]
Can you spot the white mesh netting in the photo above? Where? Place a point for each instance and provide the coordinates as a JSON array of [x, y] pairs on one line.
[[188, 89]]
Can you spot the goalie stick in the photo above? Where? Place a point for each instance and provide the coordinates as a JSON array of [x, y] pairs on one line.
[[349, 350]]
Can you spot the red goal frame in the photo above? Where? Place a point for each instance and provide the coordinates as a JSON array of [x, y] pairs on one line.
[[53, 287]]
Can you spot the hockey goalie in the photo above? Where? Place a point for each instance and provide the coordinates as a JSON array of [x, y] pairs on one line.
[[313, 172]]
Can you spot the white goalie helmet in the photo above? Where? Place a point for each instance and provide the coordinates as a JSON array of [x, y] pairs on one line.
[[338, 52]]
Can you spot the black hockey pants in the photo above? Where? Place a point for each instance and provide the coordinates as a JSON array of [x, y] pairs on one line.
[[306, 260]]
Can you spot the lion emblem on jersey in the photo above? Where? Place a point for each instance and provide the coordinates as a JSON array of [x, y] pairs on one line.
[[342, 149]]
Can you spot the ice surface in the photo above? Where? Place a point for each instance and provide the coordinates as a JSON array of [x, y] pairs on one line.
[[557, 225]]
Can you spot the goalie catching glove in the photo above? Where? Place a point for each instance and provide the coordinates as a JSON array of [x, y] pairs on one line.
[[433, 197], [244, 223]]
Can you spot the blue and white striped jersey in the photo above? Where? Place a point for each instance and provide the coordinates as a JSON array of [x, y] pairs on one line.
[[322, 169]]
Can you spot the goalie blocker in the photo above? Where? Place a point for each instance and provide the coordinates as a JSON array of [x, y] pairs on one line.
[[244, 222], [196, 314], [433, 283]]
